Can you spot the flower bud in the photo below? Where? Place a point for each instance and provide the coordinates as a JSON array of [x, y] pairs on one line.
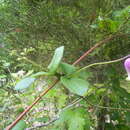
[[127, 67]]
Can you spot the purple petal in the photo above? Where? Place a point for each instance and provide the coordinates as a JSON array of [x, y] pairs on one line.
[[127, 67]]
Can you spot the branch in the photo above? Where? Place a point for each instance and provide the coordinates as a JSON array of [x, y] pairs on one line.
[[43, 124], [105, 107]]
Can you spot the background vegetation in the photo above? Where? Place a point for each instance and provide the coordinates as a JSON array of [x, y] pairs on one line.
[[30, 31]]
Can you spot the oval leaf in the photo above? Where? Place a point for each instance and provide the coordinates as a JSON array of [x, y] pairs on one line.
[[20, 126], [83, 74], [70, 71], [56, 59], [24, 83], [67, 68], [75, 85]]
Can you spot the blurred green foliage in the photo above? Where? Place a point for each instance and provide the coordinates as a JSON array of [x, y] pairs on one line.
[[30, 30]]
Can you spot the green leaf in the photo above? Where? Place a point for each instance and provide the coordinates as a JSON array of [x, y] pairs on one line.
[[2, 76], [6, 65], [122, 127], [20, 126], [75, 119], [75, 85], [70, 69], [24, 83], [41, 74], [84, 74], [127, 116], [122, 14], [67, 68], [56, 59], [20, 110]]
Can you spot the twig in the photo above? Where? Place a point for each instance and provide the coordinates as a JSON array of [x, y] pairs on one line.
[[43, 124], [104, 107], [72, 104], [11, 76], [99, 106]]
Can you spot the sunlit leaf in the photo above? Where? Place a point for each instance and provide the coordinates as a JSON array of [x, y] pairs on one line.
[[70, 69], [20, 126], [67, 68], [24, 83], [2, 76], [75, 85], [56, 59], [83, 74], [75, 119]]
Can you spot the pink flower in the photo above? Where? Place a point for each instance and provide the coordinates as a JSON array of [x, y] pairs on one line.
[[127, 67]]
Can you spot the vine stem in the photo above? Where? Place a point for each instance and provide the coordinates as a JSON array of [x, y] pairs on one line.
[[50, 87], [112, 108], [102, 63]]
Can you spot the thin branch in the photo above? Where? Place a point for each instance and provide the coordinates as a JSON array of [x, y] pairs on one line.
[[11, 76], [98, 106], [105, 107], [72, 104], [43, 124]]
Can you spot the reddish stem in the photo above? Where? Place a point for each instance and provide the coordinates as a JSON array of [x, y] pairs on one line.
[[95, 46]]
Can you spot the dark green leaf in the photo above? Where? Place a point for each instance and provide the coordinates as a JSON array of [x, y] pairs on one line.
[[56, 59], [75, 85], [75, 119], [84, 74], [67, 68], [122, 127], [70, 69], [20, 126], [24, 83]]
